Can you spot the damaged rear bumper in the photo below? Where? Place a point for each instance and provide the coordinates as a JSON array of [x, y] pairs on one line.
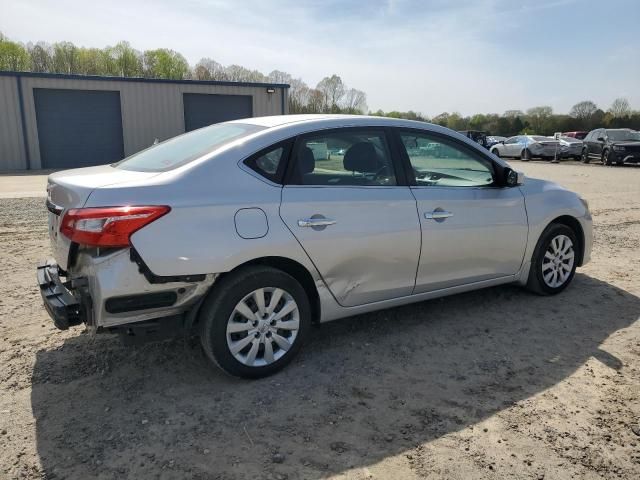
[[64, 308], [110, 290]]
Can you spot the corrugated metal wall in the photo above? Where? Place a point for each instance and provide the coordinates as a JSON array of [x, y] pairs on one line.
[[150, 110], [12, 155]]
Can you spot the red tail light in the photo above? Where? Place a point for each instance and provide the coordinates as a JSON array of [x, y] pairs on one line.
[[108, 226]]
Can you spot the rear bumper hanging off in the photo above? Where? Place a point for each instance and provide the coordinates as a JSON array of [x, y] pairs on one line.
[[62, 305]]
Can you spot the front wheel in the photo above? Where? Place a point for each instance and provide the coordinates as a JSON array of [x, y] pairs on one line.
[[525, 156], [606, 158], [254, 322], [554, 260], [495, 152], [584, 158]]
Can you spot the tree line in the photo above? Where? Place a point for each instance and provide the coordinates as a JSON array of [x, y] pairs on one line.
[[330, 95], [541, 120]]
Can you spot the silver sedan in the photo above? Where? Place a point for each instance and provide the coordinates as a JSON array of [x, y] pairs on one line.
[[527, 147], [248, 232]]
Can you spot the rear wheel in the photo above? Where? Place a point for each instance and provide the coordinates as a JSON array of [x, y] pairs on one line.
[[255, 321], [525, 156], [554, 260]]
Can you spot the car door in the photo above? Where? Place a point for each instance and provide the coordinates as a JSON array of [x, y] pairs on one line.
[[346, 204], [516, 147], [472, 229], [595, 152], [508, 146]]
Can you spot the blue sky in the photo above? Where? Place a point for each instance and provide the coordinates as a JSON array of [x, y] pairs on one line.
[[430, 56]]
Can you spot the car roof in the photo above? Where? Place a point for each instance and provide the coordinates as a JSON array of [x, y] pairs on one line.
[[329, 119]]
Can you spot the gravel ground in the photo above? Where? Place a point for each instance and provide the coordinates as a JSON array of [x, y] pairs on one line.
[[492, 384]]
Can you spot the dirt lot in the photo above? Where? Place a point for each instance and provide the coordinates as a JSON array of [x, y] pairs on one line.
[[492, 384]]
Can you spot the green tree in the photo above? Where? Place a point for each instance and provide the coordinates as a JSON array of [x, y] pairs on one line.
[[164, 63], [539, 119], [65, 58], [456, 122], [127, 61], [13, 56], [442, 119], [90, 62]]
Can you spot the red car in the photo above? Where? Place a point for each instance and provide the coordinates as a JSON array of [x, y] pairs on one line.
[[578, 135]]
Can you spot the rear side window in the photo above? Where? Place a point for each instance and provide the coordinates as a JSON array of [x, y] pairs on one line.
[[185, 148], [270, 162], [344, 157]]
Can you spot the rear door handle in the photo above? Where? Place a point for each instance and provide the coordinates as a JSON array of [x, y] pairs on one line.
[[437, 215], [315, 222]]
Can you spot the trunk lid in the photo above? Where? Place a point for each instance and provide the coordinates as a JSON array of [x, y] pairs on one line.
[[71, 189]]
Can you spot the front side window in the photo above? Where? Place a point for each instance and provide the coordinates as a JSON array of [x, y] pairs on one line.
[[343, 158], [442, 163], [185, 148]]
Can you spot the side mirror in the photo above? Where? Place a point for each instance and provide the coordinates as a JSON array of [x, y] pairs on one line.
[[601, 139], [513, 178]]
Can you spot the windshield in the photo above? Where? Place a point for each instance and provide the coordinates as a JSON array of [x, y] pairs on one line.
[[622, 135], [185, 148]]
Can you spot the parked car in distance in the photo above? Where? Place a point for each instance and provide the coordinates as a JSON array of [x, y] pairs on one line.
[[579, 134], [243, 233], [570, 147], [493, 139], [476, 135], [527, 147], [612, 145]]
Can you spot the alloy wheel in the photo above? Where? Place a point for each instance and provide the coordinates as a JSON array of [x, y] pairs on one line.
[[263, 326], [558, 260]]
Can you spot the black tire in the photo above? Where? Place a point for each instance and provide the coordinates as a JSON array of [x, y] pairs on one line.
[[496, 152], [525, 156], [220, 304], [606, 158], [584, 158], [536, 282]]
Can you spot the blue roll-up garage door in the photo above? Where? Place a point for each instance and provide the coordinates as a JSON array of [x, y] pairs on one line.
[[201, 110], [78, 128]]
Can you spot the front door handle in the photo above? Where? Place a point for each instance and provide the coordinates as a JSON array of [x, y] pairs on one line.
[[437, 215], [315, 222]]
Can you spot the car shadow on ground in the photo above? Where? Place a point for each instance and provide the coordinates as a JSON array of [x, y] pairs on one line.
[[363, 389]]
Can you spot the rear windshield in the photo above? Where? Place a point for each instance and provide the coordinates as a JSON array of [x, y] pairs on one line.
[[185, 148], [541, 139]]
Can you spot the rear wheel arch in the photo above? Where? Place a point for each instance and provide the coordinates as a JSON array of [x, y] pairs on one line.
[[298, 271], [574, 225]]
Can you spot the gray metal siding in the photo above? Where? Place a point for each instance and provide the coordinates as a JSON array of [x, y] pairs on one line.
[[203, 109], [12, 152], [78, 128], [150, 110]]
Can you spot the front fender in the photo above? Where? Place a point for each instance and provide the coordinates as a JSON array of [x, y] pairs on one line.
[[545, 202]]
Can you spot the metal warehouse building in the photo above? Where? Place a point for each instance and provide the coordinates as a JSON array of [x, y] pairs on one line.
[[65, 121]]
